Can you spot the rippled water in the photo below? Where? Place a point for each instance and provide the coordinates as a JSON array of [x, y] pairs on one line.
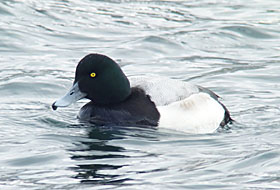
[[231, 47]]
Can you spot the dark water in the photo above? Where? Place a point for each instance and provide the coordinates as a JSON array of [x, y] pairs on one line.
[[231, 47]]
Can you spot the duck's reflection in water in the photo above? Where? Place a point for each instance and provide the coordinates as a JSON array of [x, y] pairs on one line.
[[101, 158]]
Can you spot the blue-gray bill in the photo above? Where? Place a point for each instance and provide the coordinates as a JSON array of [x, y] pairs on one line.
[[73, 95]]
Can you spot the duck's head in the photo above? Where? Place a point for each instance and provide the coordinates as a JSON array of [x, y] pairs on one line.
[[98, 78]]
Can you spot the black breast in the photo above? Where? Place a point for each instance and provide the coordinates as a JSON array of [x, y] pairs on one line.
[[136, 109]]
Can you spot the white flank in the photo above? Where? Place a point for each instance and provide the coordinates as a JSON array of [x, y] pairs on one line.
[[199, 113]]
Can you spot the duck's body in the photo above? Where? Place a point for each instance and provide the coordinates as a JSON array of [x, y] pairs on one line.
[[149, 101]]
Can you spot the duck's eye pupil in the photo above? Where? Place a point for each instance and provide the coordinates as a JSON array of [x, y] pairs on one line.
[[92, 75]]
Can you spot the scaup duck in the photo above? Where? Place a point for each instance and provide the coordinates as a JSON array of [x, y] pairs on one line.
[[160, 101]]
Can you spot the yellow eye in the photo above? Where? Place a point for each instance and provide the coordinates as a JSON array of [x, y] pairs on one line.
[[92, 75]]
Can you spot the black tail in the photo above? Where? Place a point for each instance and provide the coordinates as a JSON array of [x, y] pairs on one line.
[[227, 119]]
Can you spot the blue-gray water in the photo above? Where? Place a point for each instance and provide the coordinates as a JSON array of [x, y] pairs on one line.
[[231, 47]]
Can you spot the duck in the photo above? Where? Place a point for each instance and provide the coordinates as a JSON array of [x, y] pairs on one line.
[[142, 100]]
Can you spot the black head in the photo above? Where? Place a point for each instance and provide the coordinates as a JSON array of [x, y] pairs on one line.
[[101, 79]]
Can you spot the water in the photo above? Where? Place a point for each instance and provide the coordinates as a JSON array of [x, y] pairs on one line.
[[231, 47]]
